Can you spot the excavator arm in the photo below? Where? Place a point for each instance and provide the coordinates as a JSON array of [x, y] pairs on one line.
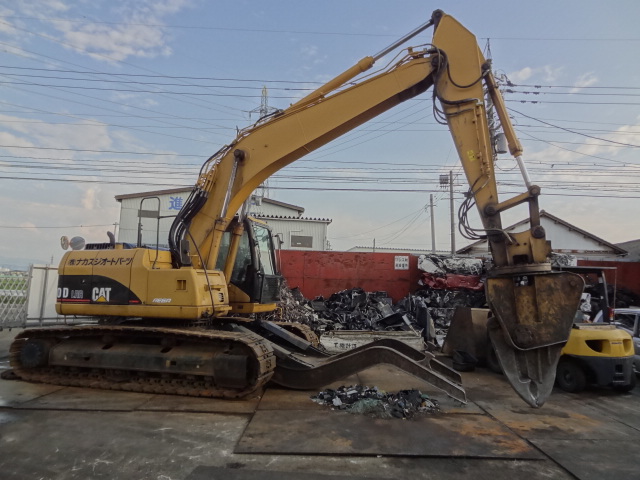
[[532, 306]]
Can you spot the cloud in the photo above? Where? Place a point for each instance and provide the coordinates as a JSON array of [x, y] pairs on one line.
[[546, 73], [84, 134], [309, 50], [117, 43], [90, 198], [136, 31], [521, 75], [584, 80], [40, 8]]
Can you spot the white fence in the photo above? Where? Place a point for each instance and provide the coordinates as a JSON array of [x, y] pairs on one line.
[[28, 298], [13, 298]]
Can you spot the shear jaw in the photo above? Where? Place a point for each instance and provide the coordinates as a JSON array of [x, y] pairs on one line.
[[531, 373]]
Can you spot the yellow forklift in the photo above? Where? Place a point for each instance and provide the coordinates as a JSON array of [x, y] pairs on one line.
[[597, 352]]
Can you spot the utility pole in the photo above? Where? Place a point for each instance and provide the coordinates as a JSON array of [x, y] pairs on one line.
[[453, 225], [433, 226]]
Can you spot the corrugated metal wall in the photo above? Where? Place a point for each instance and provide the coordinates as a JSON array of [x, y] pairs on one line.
[[627, 274], [288, 228], [324, 273]]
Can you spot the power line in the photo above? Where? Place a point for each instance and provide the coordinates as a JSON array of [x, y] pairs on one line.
[[572, 103], [324, 189], [574, 93], [573, 86], [573, 131], [306, 32], [100, 151], [162, 92], [199, 105], [116, 103], [196, 27], [169, 77], [70, 226]]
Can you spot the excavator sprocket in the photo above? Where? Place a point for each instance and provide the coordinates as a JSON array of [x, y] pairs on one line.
[[193, 362]]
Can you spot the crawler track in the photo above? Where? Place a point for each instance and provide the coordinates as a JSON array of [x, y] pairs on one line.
[[303, 331], [252, 351]]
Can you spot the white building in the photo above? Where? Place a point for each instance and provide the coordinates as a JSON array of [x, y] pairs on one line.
[[160, 207], [564, 237]]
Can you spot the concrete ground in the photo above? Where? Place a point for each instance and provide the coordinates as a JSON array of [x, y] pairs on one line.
[[50, 432]]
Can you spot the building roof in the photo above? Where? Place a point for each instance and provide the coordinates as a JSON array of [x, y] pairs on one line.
[[616, 249], [630, 245], [633, 247], [285, 217], [169, 191], [282, 204]]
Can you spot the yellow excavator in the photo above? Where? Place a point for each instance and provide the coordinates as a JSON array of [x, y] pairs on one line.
[[187, 320]]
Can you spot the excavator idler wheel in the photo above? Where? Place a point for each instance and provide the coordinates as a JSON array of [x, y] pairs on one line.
[[35, 353]]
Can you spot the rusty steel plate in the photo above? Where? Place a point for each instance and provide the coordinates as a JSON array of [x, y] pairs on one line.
[[561, 419], [340, 433], [594, 459], [624, 408]]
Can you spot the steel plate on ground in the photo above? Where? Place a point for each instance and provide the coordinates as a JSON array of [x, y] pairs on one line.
[[587, 459], [624, 408], [340, 433], [178, 403], [79, 398], [559, 419], [219, 473]]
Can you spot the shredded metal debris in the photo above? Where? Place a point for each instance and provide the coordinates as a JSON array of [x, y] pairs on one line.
[[373, 402], [426, 313]]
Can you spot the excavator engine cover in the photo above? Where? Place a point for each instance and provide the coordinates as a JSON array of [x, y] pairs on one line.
[[534, 313]]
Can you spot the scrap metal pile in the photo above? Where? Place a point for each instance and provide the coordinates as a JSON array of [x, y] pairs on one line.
[[447, 283], [376, 403], [353, 309], [450, 282]]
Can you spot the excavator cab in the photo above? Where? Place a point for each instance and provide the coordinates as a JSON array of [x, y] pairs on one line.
[[255, 281]]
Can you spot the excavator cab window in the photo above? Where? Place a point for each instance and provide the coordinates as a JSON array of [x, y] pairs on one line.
[[243, 261], [266, 280], [243, 258], [254, 270], [264, 244], [225, 243]]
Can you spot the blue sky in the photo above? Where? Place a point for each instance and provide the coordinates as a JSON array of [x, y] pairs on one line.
[[101, 98]]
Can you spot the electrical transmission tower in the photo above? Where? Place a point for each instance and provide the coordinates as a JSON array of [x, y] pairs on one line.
[[263, 110]]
